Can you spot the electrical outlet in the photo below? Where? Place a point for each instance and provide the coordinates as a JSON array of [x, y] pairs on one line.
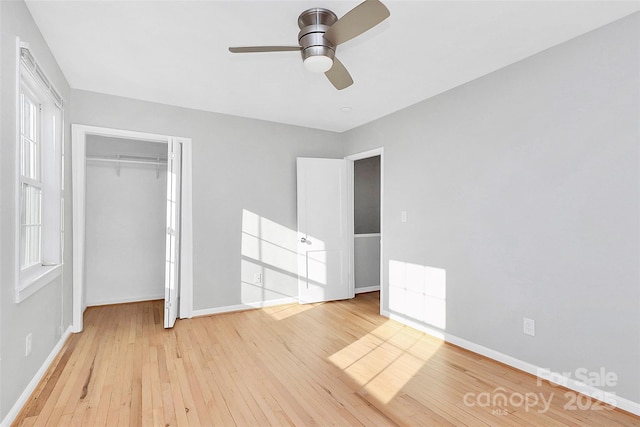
[[257, 278], [27, 344], [403, 216], [529, 327]]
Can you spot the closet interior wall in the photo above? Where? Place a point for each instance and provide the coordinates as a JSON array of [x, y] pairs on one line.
[[125, 220]]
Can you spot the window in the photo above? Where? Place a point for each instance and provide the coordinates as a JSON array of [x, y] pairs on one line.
[[39, 148]]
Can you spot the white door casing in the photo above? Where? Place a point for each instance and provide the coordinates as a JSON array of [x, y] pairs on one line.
[[324, 270], [78, 152]]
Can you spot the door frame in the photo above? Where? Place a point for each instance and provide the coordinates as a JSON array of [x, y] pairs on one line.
[[79, 134], [350, 178]]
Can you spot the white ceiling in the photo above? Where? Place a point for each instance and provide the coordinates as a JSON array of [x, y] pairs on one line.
[[175, 52]]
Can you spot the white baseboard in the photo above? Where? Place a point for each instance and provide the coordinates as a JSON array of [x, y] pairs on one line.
[[364, 289], [241, 307], [126, 300], [542, 373], [26, 394]]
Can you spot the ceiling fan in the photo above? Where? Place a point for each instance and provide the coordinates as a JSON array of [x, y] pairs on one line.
[[321, 32]]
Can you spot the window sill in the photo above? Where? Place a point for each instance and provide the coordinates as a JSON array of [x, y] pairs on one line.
[[34, 279]]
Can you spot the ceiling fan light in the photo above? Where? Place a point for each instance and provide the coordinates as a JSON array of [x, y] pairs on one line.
[[318, 63]]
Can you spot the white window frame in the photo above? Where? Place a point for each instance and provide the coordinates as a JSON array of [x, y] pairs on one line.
[[33, 179], [48, 177]]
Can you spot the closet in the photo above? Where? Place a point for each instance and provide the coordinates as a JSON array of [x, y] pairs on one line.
[[366, 217], [126, 192]]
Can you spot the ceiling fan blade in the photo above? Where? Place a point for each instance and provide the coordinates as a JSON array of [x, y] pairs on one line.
[[338, 75], [253, 49], [358, 20]]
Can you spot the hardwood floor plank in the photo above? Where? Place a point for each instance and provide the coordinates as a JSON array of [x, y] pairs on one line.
[[337, 363]]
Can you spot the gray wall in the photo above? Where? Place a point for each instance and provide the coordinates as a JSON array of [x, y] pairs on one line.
[[126, 224], [2, 261], [242, 169], [47, 310], [522, 193], [366, 261]]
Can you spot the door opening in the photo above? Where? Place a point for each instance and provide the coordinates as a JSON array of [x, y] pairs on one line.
[[366, 170], [126, 187], [366, 224]]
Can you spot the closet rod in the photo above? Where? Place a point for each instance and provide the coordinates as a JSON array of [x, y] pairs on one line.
[[140, 160]]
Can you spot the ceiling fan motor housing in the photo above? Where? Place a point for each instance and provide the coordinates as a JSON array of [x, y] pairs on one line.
[[313, 24]]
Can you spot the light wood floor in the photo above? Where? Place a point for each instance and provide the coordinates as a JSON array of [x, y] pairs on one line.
[[337, 363]]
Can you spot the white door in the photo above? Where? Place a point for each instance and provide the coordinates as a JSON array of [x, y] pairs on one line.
[[172, 247], [323, 231]]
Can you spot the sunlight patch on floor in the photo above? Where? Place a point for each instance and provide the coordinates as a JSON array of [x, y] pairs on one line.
[[384, 360], [284, 311]]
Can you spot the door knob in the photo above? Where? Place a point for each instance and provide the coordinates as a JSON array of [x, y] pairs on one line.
[[305, 240]]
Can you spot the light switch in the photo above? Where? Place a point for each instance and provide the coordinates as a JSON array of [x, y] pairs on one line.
[[403, 216]]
